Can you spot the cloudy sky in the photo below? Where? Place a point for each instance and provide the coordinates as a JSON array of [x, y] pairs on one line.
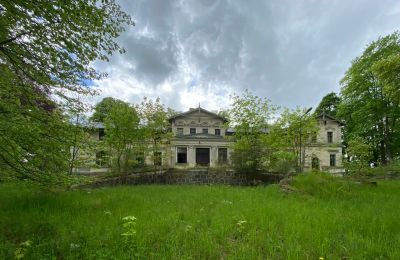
[[201, 51]]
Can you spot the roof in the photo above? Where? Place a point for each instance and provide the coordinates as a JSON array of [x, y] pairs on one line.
[[197, 110], [324, 116]]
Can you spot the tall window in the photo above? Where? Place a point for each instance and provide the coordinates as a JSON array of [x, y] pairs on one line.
[[332, 160], [330, 137], [222, 155], [217, 131], [205, 130], [101, 158], [179, 131], [101, 133], [181, 155], [192, 131], [315, 163]]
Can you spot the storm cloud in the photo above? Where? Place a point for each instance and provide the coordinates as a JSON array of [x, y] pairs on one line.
[[202, 51]]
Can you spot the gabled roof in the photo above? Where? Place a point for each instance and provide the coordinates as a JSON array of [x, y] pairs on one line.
[[197, 110], [324, 116]]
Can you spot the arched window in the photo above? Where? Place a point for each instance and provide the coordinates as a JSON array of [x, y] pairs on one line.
[[315, 163]]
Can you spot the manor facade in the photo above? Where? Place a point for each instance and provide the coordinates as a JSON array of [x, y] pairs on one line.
[[201, 138]]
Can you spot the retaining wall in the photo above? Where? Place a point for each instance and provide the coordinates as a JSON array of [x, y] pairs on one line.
[[186, 177]]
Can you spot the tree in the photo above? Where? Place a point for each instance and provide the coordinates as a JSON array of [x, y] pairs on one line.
[[370, 98], [154, 117], [359, 153], [103, 108], [250, 116], [289, 136], [47, 49], [122, 132], [328, 105]]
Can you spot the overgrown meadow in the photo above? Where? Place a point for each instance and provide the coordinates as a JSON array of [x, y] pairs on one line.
[[324, 217]]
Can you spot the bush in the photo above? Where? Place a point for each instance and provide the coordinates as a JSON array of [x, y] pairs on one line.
[[320, 184], [392, 170]]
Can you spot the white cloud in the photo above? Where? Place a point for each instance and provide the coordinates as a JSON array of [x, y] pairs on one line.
[[200, 51]]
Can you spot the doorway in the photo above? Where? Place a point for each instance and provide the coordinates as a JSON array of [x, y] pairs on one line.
[[203, 156]]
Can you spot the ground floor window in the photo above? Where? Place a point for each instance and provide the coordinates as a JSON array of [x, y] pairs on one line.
[[315, 163], [181, 154], [101, 158], [222, 155], [332, 160]]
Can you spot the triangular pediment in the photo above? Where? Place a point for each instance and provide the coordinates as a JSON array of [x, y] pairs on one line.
[[196, 114]]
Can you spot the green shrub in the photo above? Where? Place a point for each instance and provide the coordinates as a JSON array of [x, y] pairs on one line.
[[321, 184], [392, 170]]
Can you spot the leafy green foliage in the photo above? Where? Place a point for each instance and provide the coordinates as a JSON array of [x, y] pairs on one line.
[[359, 153], [103, 108], [250, 116], [122, 132], [46, 54], [328, 105], [370, 98], [289, 136], [154, 118]]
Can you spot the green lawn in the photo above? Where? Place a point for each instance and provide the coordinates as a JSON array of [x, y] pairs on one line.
[[327, 218]]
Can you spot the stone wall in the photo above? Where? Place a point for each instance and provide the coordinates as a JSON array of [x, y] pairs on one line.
[[186, 177]]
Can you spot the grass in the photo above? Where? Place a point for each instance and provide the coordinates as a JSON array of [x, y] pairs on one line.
[[327, 218]]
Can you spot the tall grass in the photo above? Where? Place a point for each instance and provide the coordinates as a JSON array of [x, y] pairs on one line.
[[328, 218]]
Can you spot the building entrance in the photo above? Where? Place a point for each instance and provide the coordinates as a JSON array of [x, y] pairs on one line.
[[203, 156]]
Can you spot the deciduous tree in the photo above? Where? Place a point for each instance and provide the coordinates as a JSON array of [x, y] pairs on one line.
[[250, 116], [122, 132], [47, 49], [370, 98]]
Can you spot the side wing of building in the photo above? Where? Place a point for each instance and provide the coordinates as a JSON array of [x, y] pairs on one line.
[[324, 151]]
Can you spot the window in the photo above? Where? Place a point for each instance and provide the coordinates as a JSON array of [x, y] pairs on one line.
[[101, 158], [192, 131], [157, 158], [217, 131], [332, 160], [101, 133], [181, 155], [205, 130], [222, 155], [179, 131], [330, 137], [315, 163]]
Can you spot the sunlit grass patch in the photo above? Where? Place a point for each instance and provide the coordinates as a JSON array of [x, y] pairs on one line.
[[329, 218]]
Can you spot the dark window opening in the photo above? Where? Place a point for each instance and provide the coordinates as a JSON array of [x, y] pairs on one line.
[[102, 133], [101, 158], [330, 137], [181, 154], [205, 130], [217, 131], [222, 155], [192, 131], [315, 163], [332, 160], [179, 131]]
